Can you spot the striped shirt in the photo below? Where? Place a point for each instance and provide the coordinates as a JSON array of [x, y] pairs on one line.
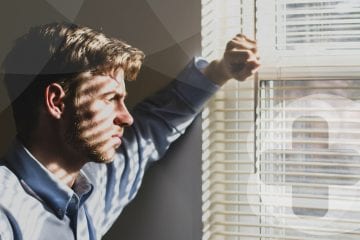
[[34, 204]]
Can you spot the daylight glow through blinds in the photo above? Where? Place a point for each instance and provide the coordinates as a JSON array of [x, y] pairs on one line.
[[308, 127]]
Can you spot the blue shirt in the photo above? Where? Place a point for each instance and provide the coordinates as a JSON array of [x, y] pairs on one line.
[[35, 204]]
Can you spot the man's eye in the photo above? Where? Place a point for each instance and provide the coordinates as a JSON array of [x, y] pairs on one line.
[[113, 99], [116, 98]]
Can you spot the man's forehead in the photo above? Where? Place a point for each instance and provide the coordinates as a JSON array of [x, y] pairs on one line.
[[105, 83], [118, 76]]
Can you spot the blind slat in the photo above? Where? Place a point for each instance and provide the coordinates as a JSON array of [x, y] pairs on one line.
[[311, 149]]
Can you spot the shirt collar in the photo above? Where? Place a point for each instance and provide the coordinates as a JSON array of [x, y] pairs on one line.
[[43, 184]]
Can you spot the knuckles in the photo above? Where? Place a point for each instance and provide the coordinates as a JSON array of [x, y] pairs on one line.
[[241, 57]]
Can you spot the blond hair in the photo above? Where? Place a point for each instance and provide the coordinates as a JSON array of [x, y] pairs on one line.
[[60, 52]]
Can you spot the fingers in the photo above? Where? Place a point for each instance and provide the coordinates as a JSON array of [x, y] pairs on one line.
[[242, 43], [242, 57], [253, 66], [243, 71]]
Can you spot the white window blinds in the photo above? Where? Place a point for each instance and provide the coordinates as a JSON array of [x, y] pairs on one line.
[[321, 35], [330, 25], [308, 123]]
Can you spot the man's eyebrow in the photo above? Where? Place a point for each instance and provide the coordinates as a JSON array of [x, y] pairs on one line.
[[124, 94]]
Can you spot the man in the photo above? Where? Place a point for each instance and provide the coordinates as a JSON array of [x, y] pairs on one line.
[[73, 168]]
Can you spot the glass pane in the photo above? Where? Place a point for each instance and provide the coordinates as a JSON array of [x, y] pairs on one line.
[[327, 24], [309, 158]]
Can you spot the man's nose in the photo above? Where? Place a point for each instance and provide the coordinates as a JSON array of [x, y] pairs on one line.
[[123, 117]]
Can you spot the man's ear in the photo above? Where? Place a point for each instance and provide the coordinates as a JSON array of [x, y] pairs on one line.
[[55, 100]]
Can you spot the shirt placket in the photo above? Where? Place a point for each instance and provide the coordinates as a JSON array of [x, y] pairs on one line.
[[78, 218]]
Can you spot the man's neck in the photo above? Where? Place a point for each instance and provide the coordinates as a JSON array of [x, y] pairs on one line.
[[64, 165]]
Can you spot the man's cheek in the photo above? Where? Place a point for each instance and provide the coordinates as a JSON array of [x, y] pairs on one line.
[[101, 111], [96, 113], [100, 129]]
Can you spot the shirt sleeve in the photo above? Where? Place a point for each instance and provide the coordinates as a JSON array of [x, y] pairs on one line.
[[162, 118], [5, 226], [158, 121]]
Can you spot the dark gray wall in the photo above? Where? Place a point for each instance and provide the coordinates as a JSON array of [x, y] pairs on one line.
[[168, 205]]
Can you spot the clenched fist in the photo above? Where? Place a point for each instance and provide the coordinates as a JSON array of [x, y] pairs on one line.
[[240, 60]]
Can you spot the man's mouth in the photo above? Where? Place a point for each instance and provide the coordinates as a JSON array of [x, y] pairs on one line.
[[118, 138]]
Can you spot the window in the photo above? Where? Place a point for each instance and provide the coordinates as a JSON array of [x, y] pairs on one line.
[[295, 174]]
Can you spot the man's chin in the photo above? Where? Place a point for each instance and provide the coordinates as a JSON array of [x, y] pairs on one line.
[[102, 157]]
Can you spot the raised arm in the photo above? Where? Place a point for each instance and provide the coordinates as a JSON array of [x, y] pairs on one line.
[[162, 118], [240, 60]]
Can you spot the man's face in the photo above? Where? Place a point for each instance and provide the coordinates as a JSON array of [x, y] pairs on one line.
[[100, 116]]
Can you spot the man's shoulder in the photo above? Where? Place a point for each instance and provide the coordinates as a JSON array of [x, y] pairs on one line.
[[8, 181], [6, 176], [5, 173], [16, 205], [5, 226]]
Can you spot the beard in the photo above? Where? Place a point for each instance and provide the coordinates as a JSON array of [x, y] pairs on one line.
[[89, 147]]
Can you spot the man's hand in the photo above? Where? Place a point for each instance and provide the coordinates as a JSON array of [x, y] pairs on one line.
[[240, 60]]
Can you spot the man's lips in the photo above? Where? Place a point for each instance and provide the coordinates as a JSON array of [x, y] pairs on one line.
[[119, 135], [118, 138]]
